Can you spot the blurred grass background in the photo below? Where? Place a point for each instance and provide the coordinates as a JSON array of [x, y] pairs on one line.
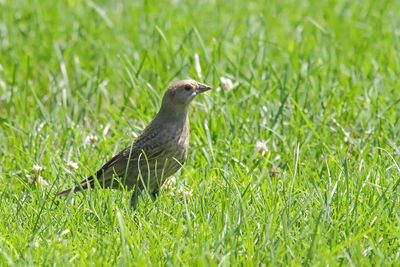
[[316, 82]]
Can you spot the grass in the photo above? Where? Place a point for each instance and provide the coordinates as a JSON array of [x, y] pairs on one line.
[[316, 81]]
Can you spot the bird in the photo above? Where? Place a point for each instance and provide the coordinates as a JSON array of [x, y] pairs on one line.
[[157, 153]]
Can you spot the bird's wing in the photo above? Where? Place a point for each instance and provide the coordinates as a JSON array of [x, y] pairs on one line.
[[147, 146]]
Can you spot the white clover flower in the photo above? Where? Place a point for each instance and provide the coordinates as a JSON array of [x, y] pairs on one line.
[[226, 83], [37, 179], [91, 139], [169, 185], [72, 165], [261, 147], [37, 168]]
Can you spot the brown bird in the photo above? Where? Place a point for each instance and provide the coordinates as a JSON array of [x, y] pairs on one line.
[[159, 151]]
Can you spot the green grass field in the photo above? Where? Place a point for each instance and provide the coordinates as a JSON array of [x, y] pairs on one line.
[[315, 87]]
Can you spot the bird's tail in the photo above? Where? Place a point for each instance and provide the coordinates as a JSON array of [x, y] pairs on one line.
[[85, 184]]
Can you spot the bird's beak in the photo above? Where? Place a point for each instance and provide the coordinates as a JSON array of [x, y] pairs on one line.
[[202, 88]]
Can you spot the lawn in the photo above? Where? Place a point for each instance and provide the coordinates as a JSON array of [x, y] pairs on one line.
[[294, 155]]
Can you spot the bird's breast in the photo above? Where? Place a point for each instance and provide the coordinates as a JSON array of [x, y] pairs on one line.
[[179, 140]]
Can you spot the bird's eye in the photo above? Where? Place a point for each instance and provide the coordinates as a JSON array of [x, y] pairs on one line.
[[188, 88]]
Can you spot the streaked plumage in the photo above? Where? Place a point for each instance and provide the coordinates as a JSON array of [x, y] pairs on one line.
[[158, 152]]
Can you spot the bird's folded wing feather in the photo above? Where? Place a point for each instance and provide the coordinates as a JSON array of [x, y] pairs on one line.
[[147, 147]]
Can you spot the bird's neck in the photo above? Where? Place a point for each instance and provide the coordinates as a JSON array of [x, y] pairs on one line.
[[172, 115]]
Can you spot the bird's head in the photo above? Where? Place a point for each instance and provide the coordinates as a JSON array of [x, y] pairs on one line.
[[181, 93]]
